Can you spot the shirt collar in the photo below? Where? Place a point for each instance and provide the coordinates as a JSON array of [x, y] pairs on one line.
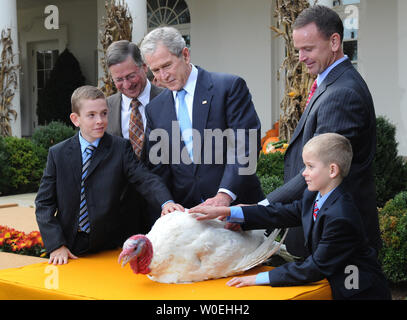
[[321, 77], [84, 143], [190, 85], [144, 96], [321, 199]]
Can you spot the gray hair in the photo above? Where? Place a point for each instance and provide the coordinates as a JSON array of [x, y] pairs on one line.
[[120, 50], [168, 36], [332, 148]]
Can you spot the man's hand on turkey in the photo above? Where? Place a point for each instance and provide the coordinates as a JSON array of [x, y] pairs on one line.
[[171, 207], [220, 200]]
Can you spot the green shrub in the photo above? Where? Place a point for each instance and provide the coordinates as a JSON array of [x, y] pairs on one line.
[[390, 171], [51, 134], [270, 183], [271, 164], [20, 165], [393, 227]]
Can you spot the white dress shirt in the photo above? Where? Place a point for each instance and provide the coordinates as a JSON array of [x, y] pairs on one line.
[[144, 99]]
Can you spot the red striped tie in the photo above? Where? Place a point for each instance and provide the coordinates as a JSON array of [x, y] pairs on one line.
[[311, 93], [316, 210]]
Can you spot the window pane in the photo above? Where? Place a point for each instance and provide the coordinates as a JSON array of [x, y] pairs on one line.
[[40, 61], [40, 79], [48, 60], [350, 48]]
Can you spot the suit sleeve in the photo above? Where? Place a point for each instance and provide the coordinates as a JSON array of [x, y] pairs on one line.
[[338, 242], [160, 169], [289, 191], [46, 207], [150, 185], [241, 117], [275, 215]]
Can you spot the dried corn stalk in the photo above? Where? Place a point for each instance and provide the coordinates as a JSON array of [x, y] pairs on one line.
[[8, 83], [117, 25], [297, 80]]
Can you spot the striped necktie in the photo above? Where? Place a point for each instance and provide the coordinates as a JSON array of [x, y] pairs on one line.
[[311, 93], [136, 128], [185, 123], [84, 224], [316, 210]]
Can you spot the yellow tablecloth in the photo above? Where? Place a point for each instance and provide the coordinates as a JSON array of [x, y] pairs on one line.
[[99, 276]]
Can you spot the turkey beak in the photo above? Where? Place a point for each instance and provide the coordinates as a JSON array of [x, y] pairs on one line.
[[125, 260], [135, 253]]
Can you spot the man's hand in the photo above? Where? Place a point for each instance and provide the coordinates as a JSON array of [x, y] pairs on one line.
[[220, 200], [170, 207], [210, 212], [240, 282], [61, 255]]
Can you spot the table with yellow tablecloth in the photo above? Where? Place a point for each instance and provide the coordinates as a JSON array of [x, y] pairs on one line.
[[99, 276]]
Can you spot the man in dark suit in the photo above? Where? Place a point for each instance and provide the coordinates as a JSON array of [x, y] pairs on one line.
[[129, 74], [77, 204], [200, 107], [341, 103]]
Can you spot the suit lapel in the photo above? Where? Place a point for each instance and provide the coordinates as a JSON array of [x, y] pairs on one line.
[[74, 158], [202, 103], [332, 76], [307, 220], [100, 153]]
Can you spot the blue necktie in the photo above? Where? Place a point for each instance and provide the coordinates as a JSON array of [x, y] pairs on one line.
[[185, 123], [84, 223]]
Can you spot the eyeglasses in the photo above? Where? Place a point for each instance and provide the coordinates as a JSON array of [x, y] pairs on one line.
[[129, 77]]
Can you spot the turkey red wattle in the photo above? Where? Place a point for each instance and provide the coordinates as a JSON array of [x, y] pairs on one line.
[[138, 251]]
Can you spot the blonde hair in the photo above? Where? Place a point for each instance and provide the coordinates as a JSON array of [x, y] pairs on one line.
[[85, 93], [332, 148]]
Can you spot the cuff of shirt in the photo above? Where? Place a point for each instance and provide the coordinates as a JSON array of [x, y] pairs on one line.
[[264, 202], [230, 193], [236, 215], [262, 278], [162, 206]]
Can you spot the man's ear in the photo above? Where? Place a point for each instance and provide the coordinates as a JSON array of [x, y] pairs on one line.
[[335, 42], [186, 55], [75, 119]]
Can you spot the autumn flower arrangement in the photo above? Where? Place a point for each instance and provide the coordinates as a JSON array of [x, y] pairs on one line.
[[15, 241]]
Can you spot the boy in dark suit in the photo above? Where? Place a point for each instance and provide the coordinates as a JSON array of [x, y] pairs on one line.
[[77, 204], [333, 229]]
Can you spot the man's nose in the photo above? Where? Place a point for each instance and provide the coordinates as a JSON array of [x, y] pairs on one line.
[[126, 83], [301, 56], [163, 74]]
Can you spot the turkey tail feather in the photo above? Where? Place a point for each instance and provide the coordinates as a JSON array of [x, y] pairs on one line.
[[262, 253]]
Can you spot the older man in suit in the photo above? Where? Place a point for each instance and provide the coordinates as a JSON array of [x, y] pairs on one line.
[[127, 118], [201, 102], [339, 102]]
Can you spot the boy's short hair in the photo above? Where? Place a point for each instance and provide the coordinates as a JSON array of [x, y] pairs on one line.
[[85, 93], [332, 148]]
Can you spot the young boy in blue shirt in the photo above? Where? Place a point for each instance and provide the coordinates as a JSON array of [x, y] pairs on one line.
[[332, 225]]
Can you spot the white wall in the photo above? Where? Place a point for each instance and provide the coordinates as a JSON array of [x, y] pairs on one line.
[[382, 63], [234, 36]]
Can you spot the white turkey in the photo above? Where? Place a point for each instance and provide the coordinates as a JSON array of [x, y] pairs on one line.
[[180, 249]]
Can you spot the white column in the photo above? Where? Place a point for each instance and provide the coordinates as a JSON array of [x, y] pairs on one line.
[[327, 3], [138, 11], [8, 19]]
